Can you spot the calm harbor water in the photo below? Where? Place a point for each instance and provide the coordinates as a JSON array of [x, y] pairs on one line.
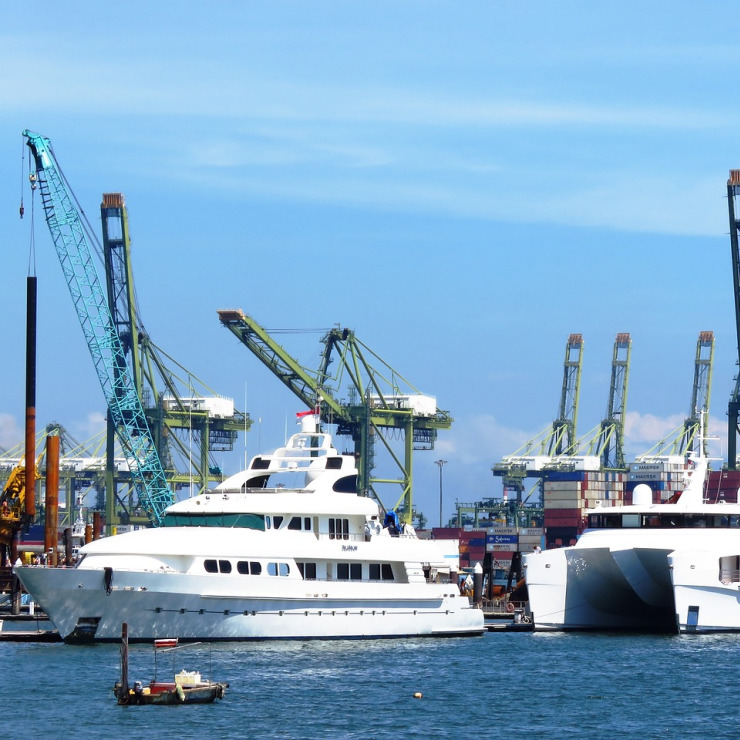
[[509, 684]]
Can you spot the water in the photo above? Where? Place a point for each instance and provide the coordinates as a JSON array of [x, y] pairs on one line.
[[508, 684]]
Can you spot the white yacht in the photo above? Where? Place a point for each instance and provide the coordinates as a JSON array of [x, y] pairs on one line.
[[284, 549], [642, 566]]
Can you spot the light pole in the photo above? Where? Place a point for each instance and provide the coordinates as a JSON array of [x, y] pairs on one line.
[[440, 463]]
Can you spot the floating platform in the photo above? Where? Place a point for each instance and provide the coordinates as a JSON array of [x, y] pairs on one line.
[[501, 626]]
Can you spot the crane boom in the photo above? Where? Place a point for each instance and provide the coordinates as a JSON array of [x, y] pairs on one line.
[[124, 405], [372, 410]]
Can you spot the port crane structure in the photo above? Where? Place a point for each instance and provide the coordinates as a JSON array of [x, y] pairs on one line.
[[376, 402], [183, 413], [556, 440], [680, 441], [733, 408], [72, 243]]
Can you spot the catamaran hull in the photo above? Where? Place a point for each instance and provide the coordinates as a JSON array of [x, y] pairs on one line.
[[600, 589], [88, 606]]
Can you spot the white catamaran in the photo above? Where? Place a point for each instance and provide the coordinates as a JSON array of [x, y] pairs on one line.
[[645, 567], [285, 549]]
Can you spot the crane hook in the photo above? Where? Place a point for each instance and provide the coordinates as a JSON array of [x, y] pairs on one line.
[[22, 209], [32, 180]]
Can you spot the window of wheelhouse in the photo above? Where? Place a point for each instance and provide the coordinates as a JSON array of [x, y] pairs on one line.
[[338, 529], [298, 523]]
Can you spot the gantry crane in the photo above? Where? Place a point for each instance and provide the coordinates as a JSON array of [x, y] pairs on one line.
[[172, 405], [555, 441], [609, 444], [680, 441], [71, 240], [376, 402], [733, 408]]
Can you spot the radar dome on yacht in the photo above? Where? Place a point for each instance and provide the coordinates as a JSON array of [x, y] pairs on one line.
[[642, 495]]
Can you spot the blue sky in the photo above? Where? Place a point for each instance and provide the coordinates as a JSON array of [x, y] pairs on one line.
[[464, 185]]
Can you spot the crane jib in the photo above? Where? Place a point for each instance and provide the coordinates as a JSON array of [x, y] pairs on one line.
[[68, 234]]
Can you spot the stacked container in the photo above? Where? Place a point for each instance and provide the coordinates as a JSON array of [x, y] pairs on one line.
[[568, 498]]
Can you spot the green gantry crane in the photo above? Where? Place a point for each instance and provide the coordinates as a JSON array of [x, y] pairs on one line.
[[609, 443], [376, 402], [558, 439], [182, 412], [681, 440]]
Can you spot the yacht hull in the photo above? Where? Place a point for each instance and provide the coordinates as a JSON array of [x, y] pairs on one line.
[[84, 607], [598, 588]]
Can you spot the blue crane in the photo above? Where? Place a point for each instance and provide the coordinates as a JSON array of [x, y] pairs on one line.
[[88, 295]]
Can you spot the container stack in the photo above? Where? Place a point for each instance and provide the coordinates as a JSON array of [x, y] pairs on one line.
[[722, 485], [666, 478], [568, 498], [472, 547]]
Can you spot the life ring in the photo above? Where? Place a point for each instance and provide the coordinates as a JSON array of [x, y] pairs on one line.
[[510, 607]]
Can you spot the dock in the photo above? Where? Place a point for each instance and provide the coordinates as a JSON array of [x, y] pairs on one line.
[[26, 635]]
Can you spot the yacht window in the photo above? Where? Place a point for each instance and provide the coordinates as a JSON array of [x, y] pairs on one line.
[[374, 571], [245, 521], [249, 568], [387, 572], [307, 571], [630, 520], [211, 566], [338, 529], [277, 521], [307, 523], [224, 566], [277, 569], [333, 463], [729, 569], [349, 571], [347, 484], [294, 523]]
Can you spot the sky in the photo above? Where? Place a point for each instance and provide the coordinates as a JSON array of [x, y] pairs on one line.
[[463, 185]]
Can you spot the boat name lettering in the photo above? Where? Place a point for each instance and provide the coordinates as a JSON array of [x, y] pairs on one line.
[[349, 548]]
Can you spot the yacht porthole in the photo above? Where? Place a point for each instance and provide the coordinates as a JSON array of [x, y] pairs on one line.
[[547, 565], [226, 612], [201, 611], [280, 612], [246, 613], [182, 611]]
